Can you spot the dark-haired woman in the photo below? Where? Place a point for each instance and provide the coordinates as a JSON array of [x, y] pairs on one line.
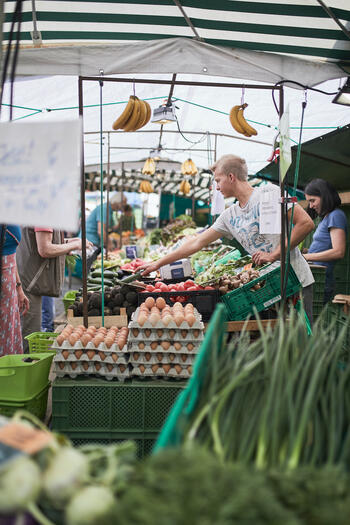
[[329, 240], [13, 302]]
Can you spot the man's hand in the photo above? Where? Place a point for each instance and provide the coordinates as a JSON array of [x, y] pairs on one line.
[[260, 258], [148, 268]]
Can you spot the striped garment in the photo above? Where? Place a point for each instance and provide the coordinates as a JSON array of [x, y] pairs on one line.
[[10, 323]]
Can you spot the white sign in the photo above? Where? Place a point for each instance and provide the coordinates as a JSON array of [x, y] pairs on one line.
[[270, 213], [217, 201], [285, 147], [40, 174]]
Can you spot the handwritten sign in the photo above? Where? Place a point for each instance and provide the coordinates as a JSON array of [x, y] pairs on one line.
[[40, 173], [270, 213]]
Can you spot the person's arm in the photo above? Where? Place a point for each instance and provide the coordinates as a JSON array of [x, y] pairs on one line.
[[47, 249], [338, 238], [303, 225], [187, 248], [23, 301]]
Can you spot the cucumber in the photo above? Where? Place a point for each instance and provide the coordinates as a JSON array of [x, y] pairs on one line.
[[98, 280], [107, 274]]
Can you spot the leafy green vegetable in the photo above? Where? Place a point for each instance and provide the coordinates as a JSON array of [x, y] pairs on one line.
[[93, 505], [71, 261]]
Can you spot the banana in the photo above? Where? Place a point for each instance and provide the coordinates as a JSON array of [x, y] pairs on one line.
[[234, 120], [134, 117], [243, 123], [123, 118], [149, 112], [143, 115]]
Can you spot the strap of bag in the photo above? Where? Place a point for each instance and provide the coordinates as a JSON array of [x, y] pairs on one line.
[[37, 275]]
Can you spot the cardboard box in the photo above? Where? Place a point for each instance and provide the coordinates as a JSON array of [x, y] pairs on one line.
[[109, 320]]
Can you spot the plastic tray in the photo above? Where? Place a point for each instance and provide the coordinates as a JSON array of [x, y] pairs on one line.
[[241, 302], [69, 299], [36, 404], [22, 380], [203, 300], [41, 341]]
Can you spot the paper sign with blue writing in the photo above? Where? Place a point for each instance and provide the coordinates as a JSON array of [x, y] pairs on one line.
[[40, 173], [285, 146]]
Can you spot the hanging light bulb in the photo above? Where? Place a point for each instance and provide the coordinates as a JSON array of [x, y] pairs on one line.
[[149, 167]]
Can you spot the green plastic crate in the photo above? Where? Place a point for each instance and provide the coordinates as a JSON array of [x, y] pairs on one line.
[[244, 300], [144, 442], [319, 274], [69, 299], [22, 380], [90, 405], [35, 405], [41, 341]]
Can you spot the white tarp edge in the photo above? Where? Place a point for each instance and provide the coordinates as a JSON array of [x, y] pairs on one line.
[[175, 55]]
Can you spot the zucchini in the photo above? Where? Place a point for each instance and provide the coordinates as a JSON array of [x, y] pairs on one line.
[[107, 274], [98, 280]]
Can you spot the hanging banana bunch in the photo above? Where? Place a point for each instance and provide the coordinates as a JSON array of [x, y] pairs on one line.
[[149, 167], [145, 187], [239, 123], [135, 115], [189, 168], [185, 187]]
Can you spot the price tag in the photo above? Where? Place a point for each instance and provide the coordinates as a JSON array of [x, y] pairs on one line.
[[24, 438]]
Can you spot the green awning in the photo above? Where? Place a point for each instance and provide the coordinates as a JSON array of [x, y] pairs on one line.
[[326, 157]]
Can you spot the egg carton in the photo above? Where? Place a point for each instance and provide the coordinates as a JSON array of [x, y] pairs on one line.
[[134, 323], [121, 358], [161, 358], [90, 346], [184, 349], [79, 370], [171, 334], [160, 373]]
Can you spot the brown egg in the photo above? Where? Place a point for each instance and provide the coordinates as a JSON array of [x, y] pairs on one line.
[[154, 345], [167, 319], [165, 345], [61, 365], [85, 365], [135, 332], [69, 327], [147, 332], [114, 356], [65, 354], [91, 354], [190, 347], [102, 330], [74, 365], [184, 333], [190, 319], [142, 318], [166, 368], [79, 332], [78, 353], [155, 310], [171, 357], [110, 367], [154, 368], [109, 341], [72, 339], [148, 356], [85, 339], [141, 345], [142, 368], [183, 357], [178, 369], [154, 319], [179, 319], [97, 340], [121, 343], [122, 368], [60, 339], [177, 346], [102, 356], [160, 332], [172, 333], [65, 334], [196, 332], [136, 356], [159, 356], [160, 303], [149, 302], [98, 366], [189, 369], [178, 305]]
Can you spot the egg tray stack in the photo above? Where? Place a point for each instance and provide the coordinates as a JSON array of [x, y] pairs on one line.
[[110, 363], [157, 351]]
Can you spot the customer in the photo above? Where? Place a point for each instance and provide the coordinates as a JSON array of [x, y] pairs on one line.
[[241, 221], [13, 302], [41, 261], [329, 240]]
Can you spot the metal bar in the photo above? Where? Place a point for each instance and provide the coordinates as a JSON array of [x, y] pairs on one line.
[[336, 20], [283, 216], [183, 83], [82, 204], [108, 188], [165, 149], [188, 20], [168, 103]]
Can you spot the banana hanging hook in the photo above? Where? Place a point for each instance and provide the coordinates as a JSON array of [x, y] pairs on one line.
[[242, 97], [134, 87]]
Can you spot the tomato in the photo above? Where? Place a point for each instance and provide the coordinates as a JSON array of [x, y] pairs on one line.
[[181, 298], [192, 289], [163, 287], [158, 284], [189, 283], [149, 288], [209, 288], [181, 287]]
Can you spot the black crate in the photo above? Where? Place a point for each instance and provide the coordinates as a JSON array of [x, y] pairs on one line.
[[204, 300]]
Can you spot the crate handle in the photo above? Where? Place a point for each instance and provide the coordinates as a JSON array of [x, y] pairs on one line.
[[7, 372], [262, 285]]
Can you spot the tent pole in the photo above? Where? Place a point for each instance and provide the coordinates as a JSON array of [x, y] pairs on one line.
[[108, 189], [82, 204], [283, 215]]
